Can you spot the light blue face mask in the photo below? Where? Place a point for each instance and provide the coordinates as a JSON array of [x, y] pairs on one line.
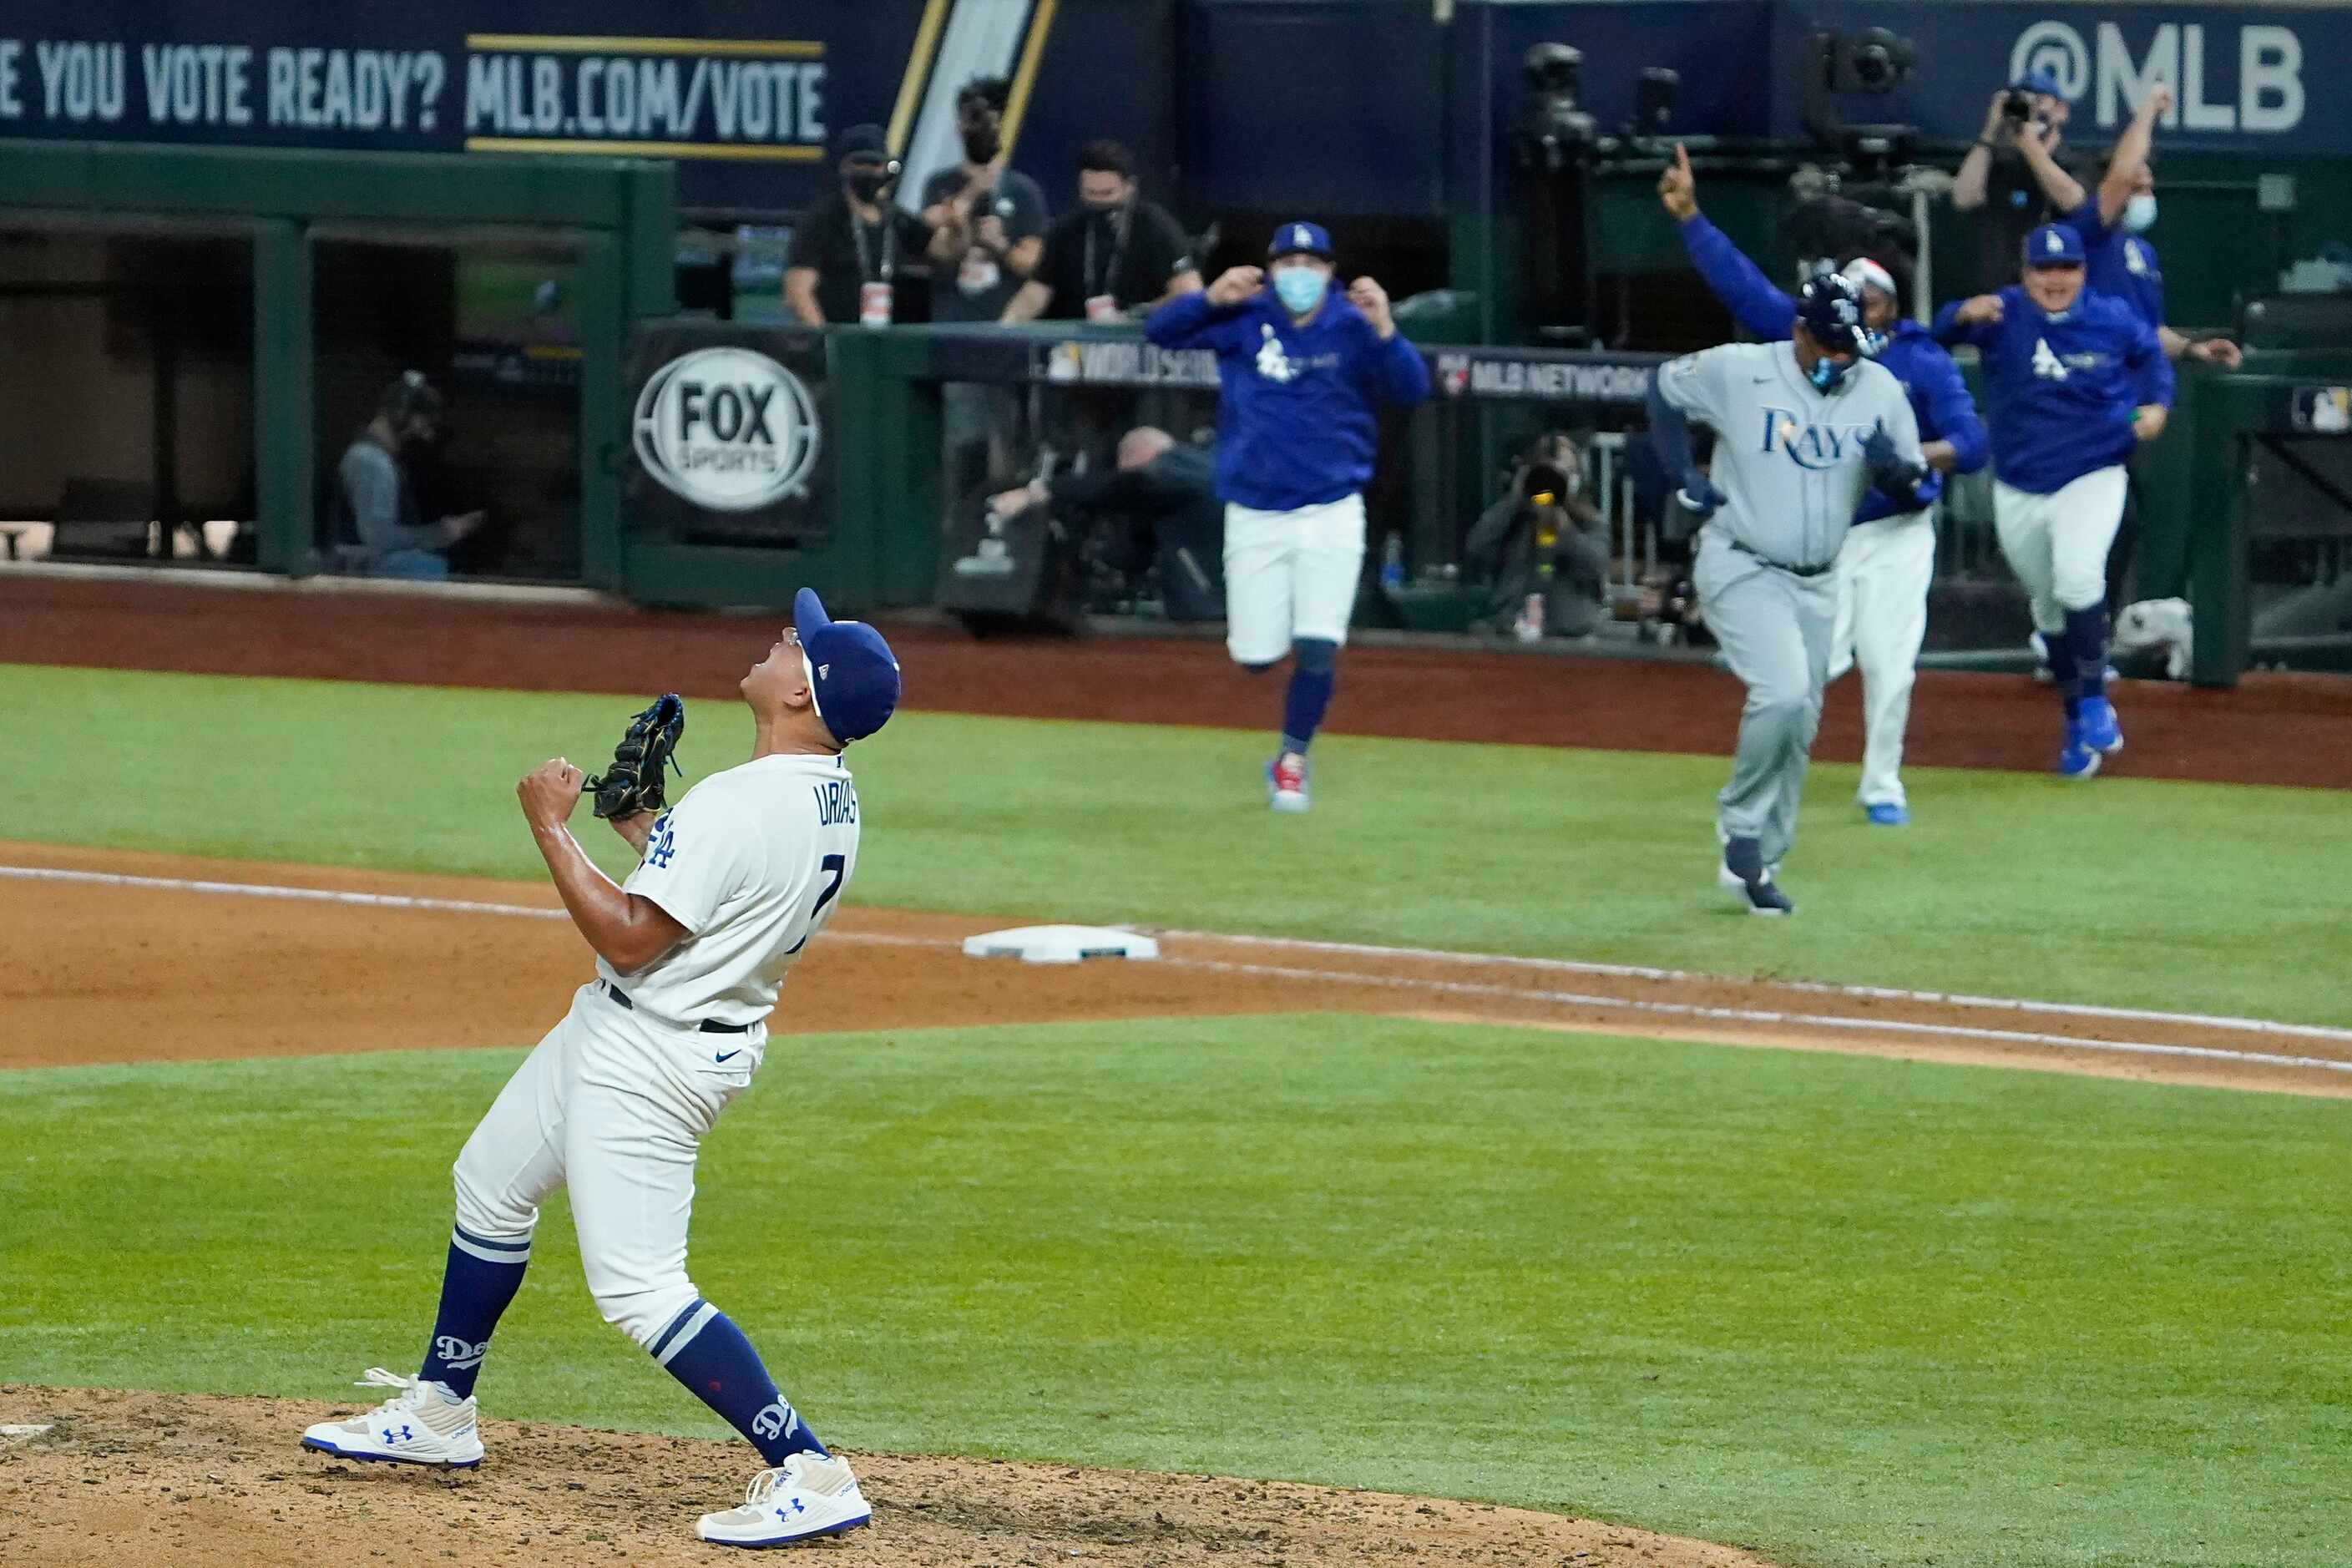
[[2139, 213], [1300, 289]]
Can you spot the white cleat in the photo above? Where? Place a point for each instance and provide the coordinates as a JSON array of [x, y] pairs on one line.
[[1286, 783], [807, 1496], [421, 1424]]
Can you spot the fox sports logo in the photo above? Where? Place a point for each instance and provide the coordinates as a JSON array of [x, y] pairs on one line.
[[727, 428]]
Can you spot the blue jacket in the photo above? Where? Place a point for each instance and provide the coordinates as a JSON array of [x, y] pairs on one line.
[[1295, 420], [1940, 398], [2118, 262], [2063, 387]]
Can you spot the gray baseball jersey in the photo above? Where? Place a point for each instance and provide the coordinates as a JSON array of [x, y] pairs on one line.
[[1787, 456]]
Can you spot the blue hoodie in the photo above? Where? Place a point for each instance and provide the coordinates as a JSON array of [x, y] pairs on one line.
[[2063, 388], [1940, 398], [1295, 420]]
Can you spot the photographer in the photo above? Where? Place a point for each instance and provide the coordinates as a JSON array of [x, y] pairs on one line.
[[1543, 548], [1164, 497], [847, 249], [1995, 176]]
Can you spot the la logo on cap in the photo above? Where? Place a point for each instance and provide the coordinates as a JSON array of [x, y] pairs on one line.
[[1298, 235], [2054, 243]]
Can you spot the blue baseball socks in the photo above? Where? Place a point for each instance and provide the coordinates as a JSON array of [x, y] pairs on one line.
[[2064, 668], [2086, 644], [1314, 671], [480, 1280], [704, 1349]]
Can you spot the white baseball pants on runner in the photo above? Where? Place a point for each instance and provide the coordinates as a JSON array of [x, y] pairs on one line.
[[614, 1107], [1882, 572], [1290, 574], [2058, 543]]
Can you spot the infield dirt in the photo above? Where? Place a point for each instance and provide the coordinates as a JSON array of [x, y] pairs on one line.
[[201, 1481]]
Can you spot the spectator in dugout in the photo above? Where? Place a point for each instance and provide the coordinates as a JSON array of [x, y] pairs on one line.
[[376, 529], [1994, 175], [849, 249], [1116, 252]]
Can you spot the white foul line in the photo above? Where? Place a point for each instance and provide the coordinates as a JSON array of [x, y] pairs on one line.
[[1445, 987], [1816, 988]]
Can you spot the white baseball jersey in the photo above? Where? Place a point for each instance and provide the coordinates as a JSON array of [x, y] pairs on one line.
[[1787, 457], [752, 863]]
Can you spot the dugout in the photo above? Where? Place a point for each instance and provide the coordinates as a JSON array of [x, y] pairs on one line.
[[197, 332]]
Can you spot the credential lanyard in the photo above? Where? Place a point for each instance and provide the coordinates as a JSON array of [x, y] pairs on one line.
[[1118, 249], [889, 248]]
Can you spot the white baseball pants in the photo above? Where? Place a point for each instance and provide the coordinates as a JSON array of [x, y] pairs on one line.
[[614, 1107], [2058, 543], [1290, 574], [1882, 572]]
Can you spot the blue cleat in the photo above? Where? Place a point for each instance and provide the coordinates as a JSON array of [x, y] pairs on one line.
[[2076, 760], [1886, 814], [2094, 723]]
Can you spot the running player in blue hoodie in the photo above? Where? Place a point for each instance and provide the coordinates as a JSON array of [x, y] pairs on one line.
[[1302, 373], [1888, 559], [2076, 380]]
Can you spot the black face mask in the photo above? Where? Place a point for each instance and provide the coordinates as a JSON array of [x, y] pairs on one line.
[[867, 184], [980, 146]]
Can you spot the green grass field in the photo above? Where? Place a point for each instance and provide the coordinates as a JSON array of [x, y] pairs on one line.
[[1853, 1312], [2197, 897]]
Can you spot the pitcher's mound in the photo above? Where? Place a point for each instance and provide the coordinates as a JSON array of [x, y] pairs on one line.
[[200, 1481]]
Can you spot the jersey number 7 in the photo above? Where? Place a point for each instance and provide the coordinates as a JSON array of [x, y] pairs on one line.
[[832, 866]]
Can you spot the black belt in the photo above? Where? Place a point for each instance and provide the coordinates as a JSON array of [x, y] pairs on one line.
[[1792, 571], [708, 1026]]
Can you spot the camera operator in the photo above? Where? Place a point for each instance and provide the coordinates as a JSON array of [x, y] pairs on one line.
[[1543, 548], [1164, 496], [1995, 176]]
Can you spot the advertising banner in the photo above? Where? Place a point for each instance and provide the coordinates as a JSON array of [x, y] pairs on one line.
[[727, 432]]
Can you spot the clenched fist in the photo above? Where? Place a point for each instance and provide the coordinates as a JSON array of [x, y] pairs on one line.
[[1235, 284], [549, 792], [1369, 297]]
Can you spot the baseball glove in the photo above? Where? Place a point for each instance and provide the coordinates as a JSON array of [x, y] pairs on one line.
[[634, 783]]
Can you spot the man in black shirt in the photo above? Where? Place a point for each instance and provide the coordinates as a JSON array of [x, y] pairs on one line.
[[849, 249], [1164, 495], [988, 231], [1994, 176], [1115, 252]]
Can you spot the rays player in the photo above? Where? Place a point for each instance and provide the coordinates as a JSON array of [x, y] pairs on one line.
[[2076, 380], [1803, 426], [614, 1102], [1888, 559], [1302, 372]]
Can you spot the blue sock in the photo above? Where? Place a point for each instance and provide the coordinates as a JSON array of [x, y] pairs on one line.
[[2086, 643], [2063, 670], [479, 1279], [1312, 673], [704, 1349]]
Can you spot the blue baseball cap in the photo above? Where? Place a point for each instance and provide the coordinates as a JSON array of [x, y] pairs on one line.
[[853, 675], [2054, 245], [2041, 81], [1299, 239]]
